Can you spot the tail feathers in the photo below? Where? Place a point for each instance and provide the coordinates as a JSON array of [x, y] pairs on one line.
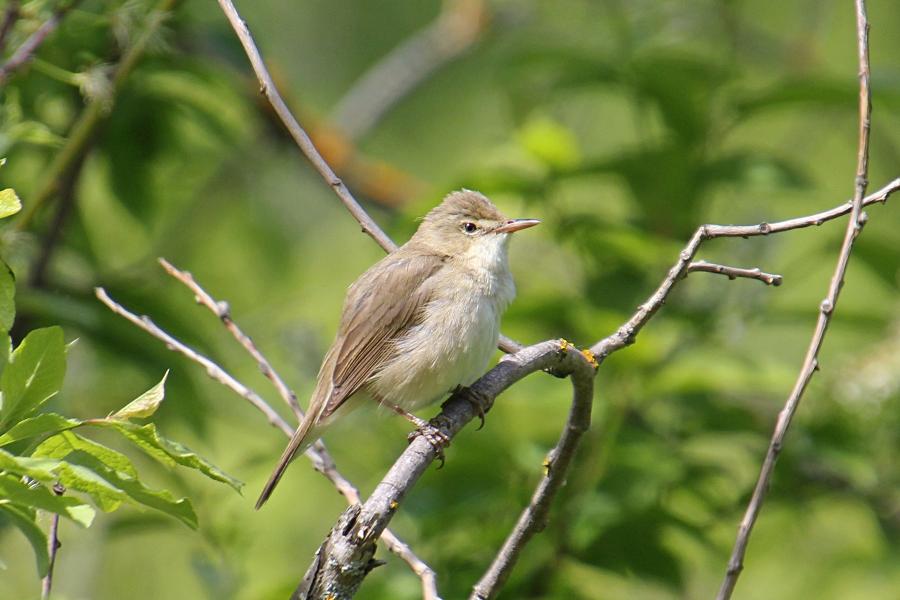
[[300, 441]]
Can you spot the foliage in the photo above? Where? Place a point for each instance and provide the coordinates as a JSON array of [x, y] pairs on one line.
[[43, 460], [622, 125]]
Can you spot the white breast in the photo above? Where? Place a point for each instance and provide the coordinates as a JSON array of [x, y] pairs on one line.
[[454, 343]]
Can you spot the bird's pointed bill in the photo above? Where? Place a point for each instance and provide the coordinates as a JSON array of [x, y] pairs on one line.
[[516, 224]]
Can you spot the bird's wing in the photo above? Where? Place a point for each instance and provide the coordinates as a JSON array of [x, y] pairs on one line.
[[374, 316]]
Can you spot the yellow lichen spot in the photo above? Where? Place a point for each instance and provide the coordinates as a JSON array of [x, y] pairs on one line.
[[590, 358], [547, 464], [564, 345], [394, 504]]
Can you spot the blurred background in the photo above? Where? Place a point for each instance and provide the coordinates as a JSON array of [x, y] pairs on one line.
[[622, 126]]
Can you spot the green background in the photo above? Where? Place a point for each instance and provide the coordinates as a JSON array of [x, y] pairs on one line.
[[623, 126]]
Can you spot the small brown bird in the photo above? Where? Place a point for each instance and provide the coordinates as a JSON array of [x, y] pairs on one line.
[[419, 323]]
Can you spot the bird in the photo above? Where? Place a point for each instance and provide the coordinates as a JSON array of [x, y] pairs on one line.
[[420, 323]]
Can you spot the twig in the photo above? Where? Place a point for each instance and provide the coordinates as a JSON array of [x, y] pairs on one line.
[[395, 75], [24, 52], [268, 89], [90, 118], [10, 16], [223, 312], [556, 468], [53, 546], [826, 310], [626, 334], [734, 272], [318, 453]]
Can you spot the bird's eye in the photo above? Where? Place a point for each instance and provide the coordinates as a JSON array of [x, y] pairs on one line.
[[469, 228]]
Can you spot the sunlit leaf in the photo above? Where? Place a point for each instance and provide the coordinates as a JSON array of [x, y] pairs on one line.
[[34, 374], [145, 404], [9, 203], [42, 424]]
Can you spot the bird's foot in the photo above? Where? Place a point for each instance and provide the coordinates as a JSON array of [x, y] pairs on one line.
[[432, 432], [474, 398]]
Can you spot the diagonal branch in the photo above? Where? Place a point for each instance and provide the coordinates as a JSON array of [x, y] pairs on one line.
[[318, 453], [26, 51], [268, 89], [826, 310]]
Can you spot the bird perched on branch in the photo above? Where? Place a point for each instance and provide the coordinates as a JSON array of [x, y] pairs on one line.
[[421, 322]]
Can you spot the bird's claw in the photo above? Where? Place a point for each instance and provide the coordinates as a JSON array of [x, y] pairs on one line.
[[433, 434]]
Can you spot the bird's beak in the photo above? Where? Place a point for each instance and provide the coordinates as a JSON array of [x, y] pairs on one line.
[[516, 225]]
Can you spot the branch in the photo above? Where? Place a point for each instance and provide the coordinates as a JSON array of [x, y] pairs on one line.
[[394, 76], [346, 556], [24, 52], [268, 89], [317, 453], [735, 272], [10, 15], [826, 310], [53, 546], [91, 117], [223, 312], [627, 333], [556, 468]]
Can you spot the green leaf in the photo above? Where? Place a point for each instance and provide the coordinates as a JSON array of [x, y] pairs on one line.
[[60, 446], [27, 525], [34, 374], [73, 477], [7, 297], [145, 404], [9, 203], [14, 490], [40, 425], [167, 451], [5, 351], [161, 500]]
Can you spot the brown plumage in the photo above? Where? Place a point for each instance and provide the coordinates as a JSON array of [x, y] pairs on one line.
[[418, 323]]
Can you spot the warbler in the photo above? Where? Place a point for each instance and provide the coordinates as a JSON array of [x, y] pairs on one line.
[[420, 323]]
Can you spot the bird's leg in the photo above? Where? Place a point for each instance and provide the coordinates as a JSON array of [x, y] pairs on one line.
[[473, 398], [437, 438]]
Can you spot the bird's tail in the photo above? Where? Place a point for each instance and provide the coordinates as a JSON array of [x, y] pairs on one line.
[[300, 441]]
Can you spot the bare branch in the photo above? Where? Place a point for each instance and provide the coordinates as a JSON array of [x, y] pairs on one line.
[[85, 126], [223, 312], [556, 468], [457, 27], [346, 556], [24, 52], [268, 89], [735, 272], [10, 15], [53, 547], [626, 334], [826, 310], [318, 453]]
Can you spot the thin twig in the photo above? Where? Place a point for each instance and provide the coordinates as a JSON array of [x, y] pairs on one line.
[[317, 453], [826, 310], [458, 26], [24, 52], [735, 272], [10, 15], [268, 89], [53, 545], [91, 117], [556, 468], [223, 312], [626, 334]]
